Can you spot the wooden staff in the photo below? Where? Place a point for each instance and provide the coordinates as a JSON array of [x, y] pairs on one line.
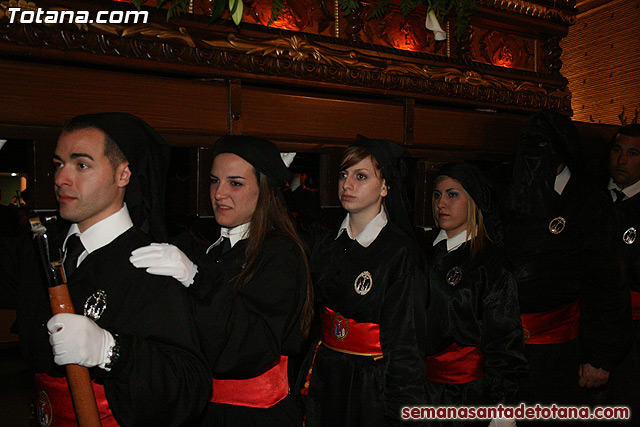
[[84, 400]]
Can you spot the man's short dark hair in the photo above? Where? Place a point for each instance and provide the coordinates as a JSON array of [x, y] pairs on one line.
[[111, 149], [632, 130]]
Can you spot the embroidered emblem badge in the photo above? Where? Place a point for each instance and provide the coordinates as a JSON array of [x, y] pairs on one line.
[[44, 410], [340, 327], [557, 225], [526, 333], [95, 305], [629, 236], [454, 275], [363, 283]]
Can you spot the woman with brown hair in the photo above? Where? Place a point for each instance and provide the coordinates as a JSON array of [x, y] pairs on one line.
[[370, 293], [475, 347], [253, 297]]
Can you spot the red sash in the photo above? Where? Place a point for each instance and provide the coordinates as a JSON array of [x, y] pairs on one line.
[[455, 365], [262, 391], [348, 336], [635, 305], [55, 408], [552, 327]]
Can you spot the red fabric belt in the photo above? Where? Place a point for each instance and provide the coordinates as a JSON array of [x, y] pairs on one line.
[[635, 305], [55, 408], [348, 336], [552, 327], [455, 365], [262, 391]]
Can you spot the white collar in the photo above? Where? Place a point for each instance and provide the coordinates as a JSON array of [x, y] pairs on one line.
[[370, 231], [629, 191], [101, 233], [561, 180], [452, 243], [234, 235]]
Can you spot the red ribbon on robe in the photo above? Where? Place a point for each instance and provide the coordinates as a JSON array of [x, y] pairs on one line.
[[54, 407], [348, 336], [455, 365], [635, 305], [262, 391], [552, 327]]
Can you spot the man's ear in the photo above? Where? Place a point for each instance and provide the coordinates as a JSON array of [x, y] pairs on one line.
[[123, 174]]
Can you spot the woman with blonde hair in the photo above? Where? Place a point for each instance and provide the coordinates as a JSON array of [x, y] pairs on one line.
[[474, 337]]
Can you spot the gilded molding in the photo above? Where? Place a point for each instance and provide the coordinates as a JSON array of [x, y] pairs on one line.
[[292, 57], [5, 5], [527, 8]]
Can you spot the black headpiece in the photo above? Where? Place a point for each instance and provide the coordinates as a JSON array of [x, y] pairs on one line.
[[547, 140], [392, 159], [481, 191], [261, 153], [148, 156]]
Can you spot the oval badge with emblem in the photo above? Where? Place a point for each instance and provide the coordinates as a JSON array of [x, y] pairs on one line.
[[454, 276], [340, 327], [557, 225], [44, 410], [363, 283], [95, 305], [629, 236]]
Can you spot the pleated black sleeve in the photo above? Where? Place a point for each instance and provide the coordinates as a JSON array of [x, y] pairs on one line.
[[161, 377], [396, 302], [481, 310], [581, 262], [627, 237], [245, 329]]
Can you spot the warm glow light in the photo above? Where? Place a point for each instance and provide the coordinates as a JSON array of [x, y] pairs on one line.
[[296, 16], [14, 174], [406, 33], [503, 57]]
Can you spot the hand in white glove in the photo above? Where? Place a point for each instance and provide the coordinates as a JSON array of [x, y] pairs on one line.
[[502, 422], [76, 339], [164, 259]]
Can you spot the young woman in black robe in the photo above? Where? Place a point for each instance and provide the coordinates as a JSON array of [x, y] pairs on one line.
[[475, 347], [251, 288], [370, 294]]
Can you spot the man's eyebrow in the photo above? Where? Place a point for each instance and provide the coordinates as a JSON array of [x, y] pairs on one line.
[[75, 156], [79, 155]]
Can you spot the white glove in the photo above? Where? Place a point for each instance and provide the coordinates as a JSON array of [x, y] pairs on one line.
[[503, 422], [76, 339], [164, 259]]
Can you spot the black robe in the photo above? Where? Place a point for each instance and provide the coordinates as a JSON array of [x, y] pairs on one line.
[[161, 377], [245, 330], [481, 310], [581, 262], [353, 390], [625, 379], [629, 217]]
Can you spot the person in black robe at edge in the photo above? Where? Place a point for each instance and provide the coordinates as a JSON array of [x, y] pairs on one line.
[[475, 347], [559, 234], [135, 332], [371, 295], [624, 187], [252, 288]]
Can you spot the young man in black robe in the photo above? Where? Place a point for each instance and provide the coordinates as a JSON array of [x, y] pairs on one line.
[[624, 188], [559, 235], [132, 330]]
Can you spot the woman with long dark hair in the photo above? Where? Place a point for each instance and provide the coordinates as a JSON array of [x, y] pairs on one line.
[[370, 294], [475, 346], [252, 289]]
